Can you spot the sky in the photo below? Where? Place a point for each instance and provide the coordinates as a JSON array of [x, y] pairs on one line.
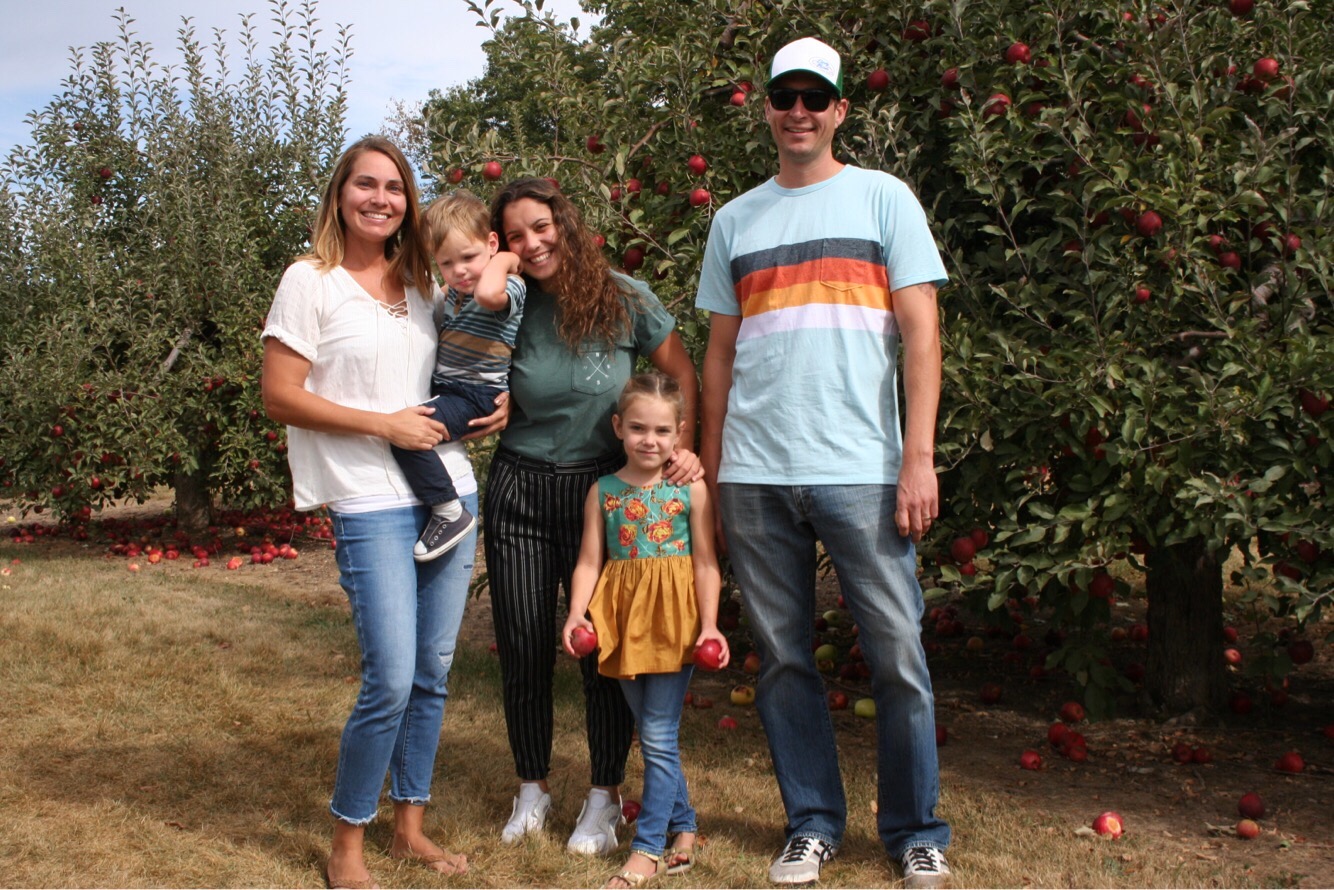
[[402, 49]]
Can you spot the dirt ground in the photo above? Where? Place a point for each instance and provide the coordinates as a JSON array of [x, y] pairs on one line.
[[1187, 811]]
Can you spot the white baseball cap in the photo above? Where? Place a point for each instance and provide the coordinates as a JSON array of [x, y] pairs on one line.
[[812, 56]]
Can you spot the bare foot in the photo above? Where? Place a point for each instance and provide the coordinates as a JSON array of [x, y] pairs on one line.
[[424, 852], [348, 873]]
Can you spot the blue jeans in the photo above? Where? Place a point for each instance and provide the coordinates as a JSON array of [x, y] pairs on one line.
[[656, 701], [407, 617], [771, 534]]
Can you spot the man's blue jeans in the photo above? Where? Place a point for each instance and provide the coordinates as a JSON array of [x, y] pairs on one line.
[[771, 535], [656, 701], [407, 617]]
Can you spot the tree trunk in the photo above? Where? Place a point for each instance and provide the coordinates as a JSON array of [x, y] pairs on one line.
[[192, 504], [1185, 666]]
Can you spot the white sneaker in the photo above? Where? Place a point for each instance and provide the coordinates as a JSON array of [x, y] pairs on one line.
[[595, 832], [800, 861], [925, 867], [529, 815]]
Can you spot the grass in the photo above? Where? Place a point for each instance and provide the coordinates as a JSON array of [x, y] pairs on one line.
[[169, 729]]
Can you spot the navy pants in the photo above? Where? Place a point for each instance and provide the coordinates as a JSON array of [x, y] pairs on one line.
[[455, 404]]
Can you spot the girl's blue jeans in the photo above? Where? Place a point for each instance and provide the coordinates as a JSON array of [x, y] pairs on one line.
[[407, 617], [656, 701]]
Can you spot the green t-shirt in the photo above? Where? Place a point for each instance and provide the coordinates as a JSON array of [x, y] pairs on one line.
[[562, 402]]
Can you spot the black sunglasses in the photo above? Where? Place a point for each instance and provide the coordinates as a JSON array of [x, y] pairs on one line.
[[783, 99]]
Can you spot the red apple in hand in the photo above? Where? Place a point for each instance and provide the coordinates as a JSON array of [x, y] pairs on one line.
[[583, 641], [709, 655]]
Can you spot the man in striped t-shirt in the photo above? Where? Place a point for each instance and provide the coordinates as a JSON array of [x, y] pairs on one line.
[[813, 280]]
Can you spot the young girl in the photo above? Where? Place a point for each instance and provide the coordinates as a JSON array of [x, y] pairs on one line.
[[648, 575]]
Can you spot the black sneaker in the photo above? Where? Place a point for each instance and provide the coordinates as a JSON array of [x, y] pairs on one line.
[[441, 535], [800, 861], [924, 867]]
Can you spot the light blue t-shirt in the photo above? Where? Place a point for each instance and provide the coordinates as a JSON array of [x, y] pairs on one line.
[[810, 271]]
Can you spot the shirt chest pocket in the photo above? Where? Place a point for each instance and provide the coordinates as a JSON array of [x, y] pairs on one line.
[[594, 370]]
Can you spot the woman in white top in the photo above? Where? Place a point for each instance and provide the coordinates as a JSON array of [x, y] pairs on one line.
[[348, 349]]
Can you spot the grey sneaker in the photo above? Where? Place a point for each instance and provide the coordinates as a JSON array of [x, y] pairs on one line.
[[441, 535], [800, 861], [595, 832], [925, 867], [529, 815]]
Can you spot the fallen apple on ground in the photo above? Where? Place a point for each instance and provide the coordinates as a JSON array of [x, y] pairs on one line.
[[1109, 824]]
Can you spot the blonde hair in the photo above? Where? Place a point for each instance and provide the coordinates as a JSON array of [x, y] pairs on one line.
[[591, 301], [459, 211], [653, 385], [408, 259]]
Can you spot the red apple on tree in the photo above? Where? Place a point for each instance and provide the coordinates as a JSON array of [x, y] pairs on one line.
[[950, 79], [1265, 69], [1240, 8], [492, 171], [1149, 223], [917, 31], [878, 80], [697, 165], [594, 145], [962, 549], [633, 259], [699, 197], [1018, 54], [455, 176], [996, 105]]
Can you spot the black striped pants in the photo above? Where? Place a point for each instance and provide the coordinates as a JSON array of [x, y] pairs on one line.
[[533, 522]]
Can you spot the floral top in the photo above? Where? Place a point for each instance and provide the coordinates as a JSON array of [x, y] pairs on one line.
[[645, 522]]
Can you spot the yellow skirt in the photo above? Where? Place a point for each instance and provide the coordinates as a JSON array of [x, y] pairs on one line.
[[645, 615]]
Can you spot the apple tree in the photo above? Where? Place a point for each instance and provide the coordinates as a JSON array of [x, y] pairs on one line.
[[1133, 202], [147, 224]]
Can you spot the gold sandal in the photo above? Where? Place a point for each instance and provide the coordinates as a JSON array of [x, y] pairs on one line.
[[634, 879], [679, 868]]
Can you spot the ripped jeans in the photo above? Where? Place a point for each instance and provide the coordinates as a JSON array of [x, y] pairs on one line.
[[407, 617]]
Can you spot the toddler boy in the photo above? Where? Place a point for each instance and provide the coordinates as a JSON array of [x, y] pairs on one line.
[[478, 324]]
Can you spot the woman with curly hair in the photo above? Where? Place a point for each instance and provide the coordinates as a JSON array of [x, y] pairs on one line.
[[584, 328]]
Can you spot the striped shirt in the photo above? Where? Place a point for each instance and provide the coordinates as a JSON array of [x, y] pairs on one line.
[[476, 344], [811, 272]]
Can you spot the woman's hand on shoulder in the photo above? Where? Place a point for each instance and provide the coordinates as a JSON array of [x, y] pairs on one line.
[[683, 468], [412, 428], [492, 423]]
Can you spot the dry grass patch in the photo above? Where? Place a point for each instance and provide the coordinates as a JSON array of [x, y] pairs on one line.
[[180, 729]]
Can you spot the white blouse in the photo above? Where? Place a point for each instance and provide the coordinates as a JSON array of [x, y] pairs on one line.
[[362, 356]]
